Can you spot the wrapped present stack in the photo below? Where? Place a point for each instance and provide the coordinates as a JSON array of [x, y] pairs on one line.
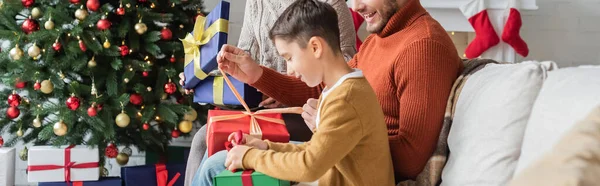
[[201, 49], [7, 165]]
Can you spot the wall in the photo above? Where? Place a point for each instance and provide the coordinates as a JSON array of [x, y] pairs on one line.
[[565, 31]]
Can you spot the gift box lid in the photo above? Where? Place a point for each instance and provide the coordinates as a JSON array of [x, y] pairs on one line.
[[228, 178], [205, 92]]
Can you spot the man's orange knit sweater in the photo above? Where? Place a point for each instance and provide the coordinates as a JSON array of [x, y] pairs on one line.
[[411, 65]]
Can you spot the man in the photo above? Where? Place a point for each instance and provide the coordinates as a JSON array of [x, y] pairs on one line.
[[410, 62]]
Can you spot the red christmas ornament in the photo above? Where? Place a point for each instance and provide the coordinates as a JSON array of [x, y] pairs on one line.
[[1, 141], [30, 25], [93, 5], [74, 1], [146, 126], [145, 73], [170, 87], [136, 99], [20, 84], [103, 24], [82, 46], [124, 50], [166, 34], [14, 100], [92, 112], [120, 11], [27, 3], [13, 112], [175, 133], [37, 85], [56, 46], [172, 60], [111, 151], [99, 106], [73, 102]]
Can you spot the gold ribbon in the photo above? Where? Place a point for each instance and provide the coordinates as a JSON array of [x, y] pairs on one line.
[[254, 116], [218, 90], [192, 42]]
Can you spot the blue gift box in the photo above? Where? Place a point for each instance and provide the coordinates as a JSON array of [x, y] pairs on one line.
[[108, 181], [195, 71], [146, 175], [214, 90]]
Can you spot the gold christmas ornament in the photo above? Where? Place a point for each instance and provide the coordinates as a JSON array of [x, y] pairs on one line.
[[36, 13], [106, 44], [20, 133], [24, 154], [122, 120], [141, 28], [92, 63], [34, 51], [37, 122], [126, 80], [60, 128], [104, 172], [47, 87], [49, 25], [122, 159], [149, 89], [190, 115], [16, 53], [81, 13], [185, 126]]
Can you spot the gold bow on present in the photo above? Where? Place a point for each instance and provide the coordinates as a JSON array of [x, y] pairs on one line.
[[192, 42], [254, 116]]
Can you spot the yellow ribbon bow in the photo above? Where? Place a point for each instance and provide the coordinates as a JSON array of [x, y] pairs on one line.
[[192, 42]]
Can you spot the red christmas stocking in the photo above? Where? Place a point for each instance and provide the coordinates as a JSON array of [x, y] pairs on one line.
[[358, 20], [513, 25], [485, 35]]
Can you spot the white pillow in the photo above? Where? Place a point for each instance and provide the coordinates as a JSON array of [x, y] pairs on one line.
[[567, 96], [489, 122]]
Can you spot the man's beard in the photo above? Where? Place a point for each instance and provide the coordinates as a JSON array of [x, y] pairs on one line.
[[389, 9]]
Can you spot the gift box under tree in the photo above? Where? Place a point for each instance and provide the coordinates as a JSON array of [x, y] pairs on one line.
[[204, 43], [64, 164], [108, 181], [7, 165], [213, 90], [246, 178], [154, 175]]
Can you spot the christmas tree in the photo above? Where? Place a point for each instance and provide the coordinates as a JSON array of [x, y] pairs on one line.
[[95, 73]]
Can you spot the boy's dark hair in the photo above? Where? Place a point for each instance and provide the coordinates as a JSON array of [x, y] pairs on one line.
[[304, 19]]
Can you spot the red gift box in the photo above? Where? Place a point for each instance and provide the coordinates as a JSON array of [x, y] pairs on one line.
[[222, 123]]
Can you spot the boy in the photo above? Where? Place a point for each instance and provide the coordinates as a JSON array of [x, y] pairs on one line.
[[350, 145]]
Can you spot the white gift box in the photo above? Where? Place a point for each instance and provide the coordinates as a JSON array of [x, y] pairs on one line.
[[7, 166], [49, 164]]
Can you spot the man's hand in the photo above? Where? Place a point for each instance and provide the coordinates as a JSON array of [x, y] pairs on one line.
[[237, 63], [182, 82], [310, 113], [270, 103], [249, 141], [235, 157]]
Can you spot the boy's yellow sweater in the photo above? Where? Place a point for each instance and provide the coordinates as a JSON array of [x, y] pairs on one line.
[[350, 146]]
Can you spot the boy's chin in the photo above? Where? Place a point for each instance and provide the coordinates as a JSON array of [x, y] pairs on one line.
[[312, 84]]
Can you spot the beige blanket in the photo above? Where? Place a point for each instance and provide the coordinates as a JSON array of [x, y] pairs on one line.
[[432, 173]]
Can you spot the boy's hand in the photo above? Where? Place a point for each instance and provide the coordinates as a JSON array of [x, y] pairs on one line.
[[310, 113], [182, 82], [235, 157], [237, 63], [249, 141]]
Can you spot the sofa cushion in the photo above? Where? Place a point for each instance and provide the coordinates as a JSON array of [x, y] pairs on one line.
[[566, 97], [489, 122], [574, 161]]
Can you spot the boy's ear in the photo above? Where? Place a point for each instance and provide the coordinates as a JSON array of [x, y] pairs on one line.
[[315, 45]]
